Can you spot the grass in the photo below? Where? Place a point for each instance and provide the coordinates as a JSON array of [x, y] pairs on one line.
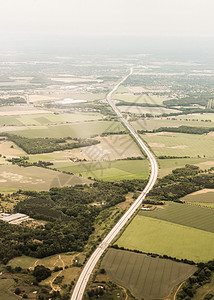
[[139, 98], [34, 178], [161, 237], [78, 130], [146, 110], [41, 119], [144, 276], [184, 214], [109, 170], [180, 144], [5, 285]]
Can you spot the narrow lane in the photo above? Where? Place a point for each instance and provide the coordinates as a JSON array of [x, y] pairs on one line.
[[88, 268]]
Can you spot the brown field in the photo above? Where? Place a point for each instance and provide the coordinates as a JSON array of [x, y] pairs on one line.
[[35, 178], [6, 150]]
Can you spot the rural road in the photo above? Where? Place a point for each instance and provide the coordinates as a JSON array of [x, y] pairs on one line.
[[87, 270]]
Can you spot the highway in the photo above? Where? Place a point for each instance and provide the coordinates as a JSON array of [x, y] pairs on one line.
[[88, 268]]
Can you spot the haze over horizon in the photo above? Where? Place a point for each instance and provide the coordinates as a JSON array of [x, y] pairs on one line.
[[106, 26]]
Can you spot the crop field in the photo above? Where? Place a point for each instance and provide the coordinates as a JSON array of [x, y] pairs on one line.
[[184, 214], [155, 123], [144, 276], [167, 165], [35, 178], [146, 110], [129, 97], [180, 144], [108, 170], [77, 130], [161, 237], [41, 119], [203, 197]]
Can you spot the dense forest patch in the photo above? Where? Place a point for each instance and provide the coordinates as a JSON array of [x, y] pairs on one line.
[[69, 216], [45, 145]]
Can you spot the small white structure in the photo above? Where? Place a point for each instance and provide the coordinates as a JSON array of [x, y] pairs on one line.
[[145, 208]]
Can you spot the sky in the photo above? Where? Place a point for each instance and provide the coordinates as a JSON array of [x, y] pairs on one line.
[[108, 17], [105, 24]]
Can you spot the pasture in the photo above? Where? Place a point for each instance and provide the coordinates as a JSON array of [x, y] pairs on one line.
[[35, 178], [161, 237], [62, 260], [144, 276], [183, 214], [180, 144], [76, 130], [108, 170]]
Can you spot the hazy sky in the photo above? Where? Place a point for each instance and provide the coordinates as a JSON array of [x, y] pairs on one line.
[[108, 17]]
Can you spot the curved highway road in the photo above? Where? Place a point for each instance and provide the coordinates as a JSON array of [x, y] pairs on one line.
[[87, 270]]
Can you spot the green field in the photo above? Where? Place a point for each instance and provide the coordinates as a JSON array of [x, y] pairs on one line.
[[155, 123], [5, 285], [184, 214], [181, 144], [161, 237], [41, 119], [35, 178], [144, 276], [167, 165], [155, 111], [77, 130], [139, 98], [108, 170]]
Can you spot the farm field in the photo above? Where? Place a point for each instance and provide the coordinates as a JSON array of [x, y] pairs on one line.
[[129, 97], [146, 110], [161, 237], [144, 276], [167, 165], [77, 130], [112, 147], [41, 119], [8, 149], [155, 123], [108, 170], [180, 144], [203, 197], [35, 178], [184, 214]]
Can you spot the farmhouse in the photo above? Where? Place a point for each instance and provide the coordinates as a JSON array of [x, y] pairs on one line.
[[14, 218]]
